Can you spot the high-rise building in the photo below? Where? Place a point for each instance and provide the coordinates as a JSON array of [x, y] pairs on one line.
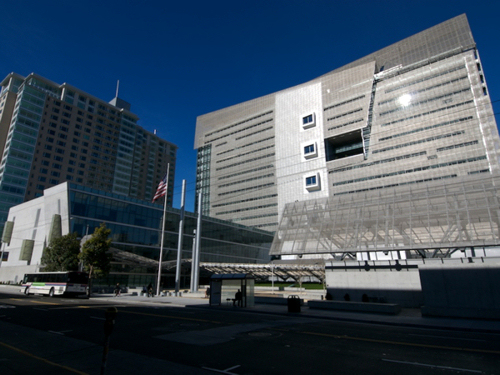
[[51, 133], [412, 113]]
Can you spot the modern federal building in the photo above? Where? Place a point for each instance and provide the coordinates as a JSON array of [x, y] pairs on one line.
[[51, 133], [135, 232], [387, 168], [413, 114]]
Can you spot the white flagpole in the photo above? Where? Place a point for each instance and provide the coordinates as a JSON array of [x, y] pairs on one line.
[[179, 242], [162, 232], [198, 247]]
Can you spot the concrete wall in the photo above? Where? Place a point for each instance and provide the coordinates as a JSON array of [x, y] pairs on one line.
[[463, 287], [391, 281], [32, 221], [466, 288]]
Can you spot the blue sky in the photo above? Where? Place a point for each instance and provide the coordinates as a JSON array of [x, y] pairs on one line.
[[178, 61]]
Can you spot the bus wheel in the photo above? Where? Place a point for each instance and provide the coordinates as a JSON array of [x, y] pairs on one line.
[[27, 291], [51, 292]]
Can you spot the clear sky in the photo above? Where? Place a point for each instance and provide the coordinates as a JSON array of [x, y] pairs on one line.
[[178, 60]]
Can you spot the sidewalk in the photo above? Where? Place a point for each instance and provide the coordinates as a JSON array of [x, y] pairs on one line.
[[407, 317]]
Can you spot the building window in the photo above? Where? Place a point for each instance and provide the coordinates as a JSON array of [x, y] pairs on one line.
[[313, 182], [345, 145], [310, 150], [308, 121]]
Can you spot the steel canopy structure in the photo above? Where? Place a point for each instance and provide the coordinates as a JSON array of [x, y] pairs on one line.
[[434, 218], [282, 270]]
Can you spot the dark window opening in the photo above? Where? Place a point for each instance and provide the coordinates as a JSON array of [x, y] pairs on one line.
[[344, 145]]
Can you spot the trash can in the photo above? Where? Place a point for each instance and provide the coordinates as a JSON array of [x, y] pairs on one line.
[[293, 304]]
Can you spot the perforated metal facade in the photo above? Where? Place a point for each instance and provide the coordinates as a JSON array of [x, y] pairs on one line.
[[411, 117]]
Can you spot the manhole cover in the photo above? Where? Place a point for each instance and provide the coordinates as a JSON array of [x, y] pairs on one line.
[[260, 334]]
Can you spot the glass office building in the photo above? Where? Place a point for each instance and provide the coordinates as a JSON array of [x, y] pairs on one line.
[[135, 233], [51, 133]]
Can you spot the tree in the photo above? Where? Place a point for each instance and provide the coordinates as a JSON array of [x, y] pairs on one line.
[[62, 254], [95, 253]]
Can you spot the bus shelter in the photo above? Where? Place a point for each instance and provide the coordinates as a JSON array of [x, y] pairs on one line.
[[225, 290]]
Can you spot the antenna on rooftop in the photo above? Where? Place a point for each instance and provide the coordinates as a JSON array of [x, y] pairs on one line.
[[117, 88]]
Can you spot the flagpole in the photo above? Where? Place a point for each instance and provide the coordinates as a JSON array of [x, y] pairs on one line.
[[179, 241], [162, 232]]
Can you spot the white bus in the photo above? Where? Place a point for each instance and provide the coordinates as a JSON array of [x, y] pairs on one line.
[[70, 283]]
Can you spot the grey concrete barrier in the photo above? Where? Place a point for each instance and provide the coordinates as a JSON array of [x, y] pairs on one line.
[[274, 300], [367, 307]]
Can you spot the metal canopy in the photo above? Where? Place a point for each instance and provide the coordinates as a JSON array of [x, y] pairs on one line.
[[139, 260], [283, 270], [432, 215]]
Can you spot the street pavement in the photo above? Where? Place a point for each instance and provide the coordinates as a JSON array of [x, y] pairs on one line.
[[15, 349], [407, 317]]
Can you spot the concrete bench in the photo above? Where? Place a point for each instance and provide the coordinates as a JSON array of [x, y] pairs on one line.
[[367, 307]]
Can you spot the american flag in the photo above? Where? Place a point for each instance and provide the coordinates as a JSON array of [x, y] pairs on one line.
[[162, 188]]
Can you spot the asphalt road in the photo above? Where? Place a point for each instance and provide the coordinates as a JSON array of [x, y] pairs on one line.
[[65, 336]]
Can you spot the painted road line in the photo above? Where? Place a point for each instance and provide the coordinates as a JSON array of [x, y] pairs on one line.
[[403, 343], [445, 337], [46, 303], [61, 332], [226, 371], [42, 359], [172, 317], [433, 366]]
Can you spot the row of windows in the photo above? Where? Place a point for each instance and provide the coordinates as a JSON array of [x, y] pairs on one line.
[[344, 114], [346, 124], [246, 172], [247, 153], [239, 131], [247, 209], [246, 145], [252, 134], [266, 225], [418, 169], [238, 123], [430, 139], [424, 79], [253, 217], [246, 161], [344, 102], [427, 128], [427, 113], [425, 89], [248, 188], [402, 108], [397, 184], [245, 200], [460, 145], [248, 180], [367, 165]]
